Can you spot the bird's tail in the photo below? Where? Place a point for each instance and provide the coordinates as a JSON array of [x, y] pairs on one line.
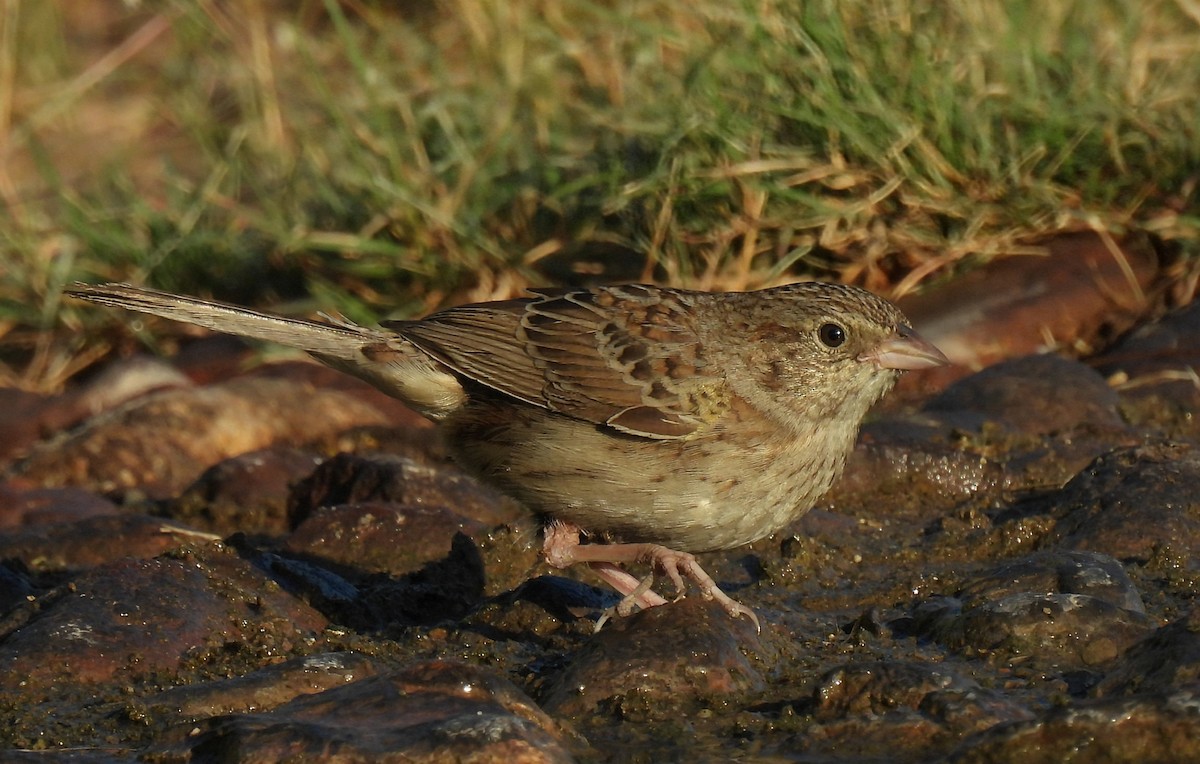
[[385, 359]]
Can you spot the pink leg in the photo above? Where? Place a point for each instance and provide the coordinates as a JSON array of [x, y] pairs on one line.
[[562, 549]]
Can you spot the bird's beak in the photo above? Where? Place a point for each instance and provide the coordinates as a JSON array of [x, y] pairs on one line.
[[905, 350]]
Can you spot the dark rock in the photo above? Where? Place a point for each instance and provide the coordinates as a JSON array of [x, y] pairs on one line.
[[1057, 610], [430, 712], [1167, 659], [658, 660], [257, 691], [1131, 501], [1154, 371], [906, 468], [1071, 572], [16, 585], [247, 493], [1153, 727], [897, 710], [42, 506], [1033, 395], [442, 590], [350, 479]]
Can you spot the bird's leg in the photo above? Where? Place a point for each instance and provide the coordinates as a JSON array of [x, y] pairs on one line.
[[562, 549]]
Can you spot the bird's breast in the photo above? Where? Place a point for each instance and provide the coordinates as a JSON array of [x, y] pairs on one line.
[[723, 488]]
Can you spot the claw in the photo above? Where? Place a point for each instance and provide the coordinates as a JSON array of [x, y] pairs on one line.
[[562, 548]]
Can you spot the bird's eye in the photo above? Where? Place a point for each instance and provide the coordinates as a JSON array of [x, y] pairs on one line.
[[831, 335]]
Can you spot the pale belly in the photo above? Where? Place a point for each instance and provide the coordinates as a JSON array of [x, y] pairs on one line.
[[716, 491]]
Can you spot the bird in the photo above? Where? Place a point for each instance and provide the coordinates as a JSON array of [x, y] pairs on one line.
[[644, 424]]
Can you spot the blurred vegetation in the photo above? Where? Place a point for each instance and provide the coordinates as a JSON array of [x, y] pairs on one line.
[[381, 158]]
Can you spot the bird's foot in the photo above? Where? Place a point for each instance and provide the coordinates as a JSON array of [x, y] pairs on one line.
[[562, 549]]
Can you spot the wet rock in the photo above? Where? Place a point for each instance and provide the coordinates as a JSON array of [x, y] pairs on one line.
[[540, 606], [256, 691], [430, 712], [96, 540], [1053, 609], [351, 479], [656, 661], [894, 709], [247, 493], [1170, 343], [380, 537], [1167, 659], [1061, 631], [1149, 727], [906, 468], [1154, 371], [132, 617], [1131, 501], [442, 590], [1072, 572], [161, 443], [1034, 395]]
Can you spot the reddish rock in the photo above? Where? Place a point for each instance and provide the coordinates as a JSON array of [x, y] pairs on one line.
[[133, 617], [261, 690], [43, 506], [1158, 727], [1072, 291], [1167, 659], [161, 443], [96, 540], [247, 493], [380, 537]]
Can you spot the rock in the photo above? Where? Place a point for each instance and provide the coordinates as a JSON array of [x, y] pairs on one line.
[[132, 617], [1076, 293], [1154, 371], [1150, 727], [657, 660], [72, 546], [1054, 610], [912, 468], [379, 536], [257, 691], [247, 493], [435, 711], [1132, 501], [1064, 571], [1033, 395], [20, 508], [1162, 662], [161, 443], [899, 710], [351, 479]]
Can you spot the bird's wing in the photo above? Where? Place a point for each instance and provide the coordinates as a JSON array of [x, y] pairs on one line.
[[626, 357]]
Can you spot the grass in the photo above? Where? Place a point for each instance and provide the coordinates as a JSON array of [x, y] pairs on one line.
[[383, 159]]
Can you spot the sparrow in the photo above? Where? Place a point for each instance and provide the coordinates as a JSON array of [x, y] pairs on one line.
[[667, 422]]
